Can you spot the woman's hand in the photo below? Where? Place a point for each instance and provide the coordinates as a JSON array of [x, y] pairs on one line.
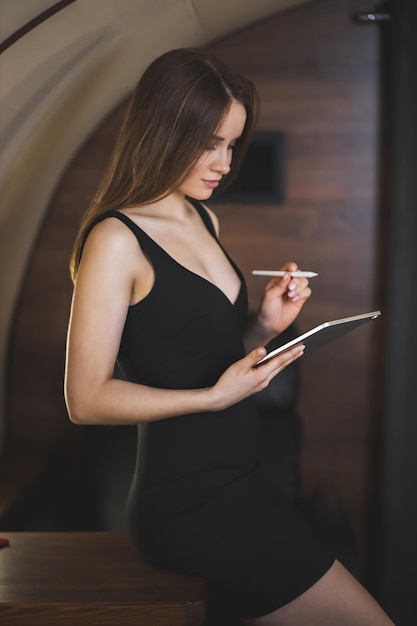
[[282, 301], [242, 379]]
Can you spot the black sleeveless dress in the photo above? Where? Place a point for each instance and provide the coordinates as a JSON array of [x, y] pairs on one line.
[[197, 503]]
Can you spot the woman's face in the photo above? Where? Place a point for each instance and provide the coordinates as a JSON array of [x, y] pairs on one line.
[[215, 161]]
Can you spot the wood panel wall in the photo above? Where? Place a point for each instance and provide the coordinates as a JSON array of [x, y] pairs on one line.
[[317, 74]]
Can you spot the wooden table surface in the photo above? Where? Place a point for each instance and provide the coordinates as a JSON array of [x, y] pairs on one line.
[[91, 578]]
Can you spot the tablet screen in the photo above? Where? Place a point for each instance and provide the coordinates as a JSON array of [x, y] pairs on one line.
[[322, 334]]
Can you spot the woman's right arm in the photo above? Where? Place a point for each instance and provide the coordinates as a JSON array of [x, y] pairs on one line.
[[112, 274]]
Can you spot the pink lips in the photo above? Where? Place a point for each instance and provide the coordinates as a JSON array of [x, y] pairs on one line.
[[211, 183]]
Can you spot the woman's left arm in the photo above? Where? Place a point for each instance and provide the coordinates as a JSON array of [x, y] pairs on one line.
[[281, 303]]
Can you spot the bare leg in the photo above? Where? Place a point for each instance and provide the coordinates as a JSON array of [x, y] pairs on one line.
[[336, 599]]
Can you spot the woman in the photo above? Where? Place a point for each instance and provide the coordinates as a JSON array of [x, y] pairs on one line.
[[156, 292]]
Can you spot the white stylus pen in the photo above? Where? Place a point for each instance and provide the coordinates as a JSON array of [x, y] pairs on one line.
[[298, 274]]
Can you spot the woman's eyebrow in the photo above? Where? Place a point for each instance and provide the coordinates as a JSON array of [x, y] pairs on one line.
[[218, 138]]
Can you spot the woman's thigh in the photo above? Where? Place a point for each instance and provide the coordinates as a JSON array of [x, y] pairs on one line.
[[336, 599]]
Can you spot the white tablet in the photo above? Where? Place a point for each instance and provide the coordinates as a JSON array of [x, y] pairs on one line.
[[322, 334]]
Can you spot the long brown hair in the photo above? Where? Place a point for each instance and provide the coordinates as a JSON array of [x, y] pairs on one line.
[[179, 103]]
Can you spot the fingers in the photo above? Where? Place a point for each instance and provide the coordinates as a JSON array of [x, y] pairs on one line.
[[281, 361], [255, 356], [299, 293], [277, 363], [296, 289], [242, 379]]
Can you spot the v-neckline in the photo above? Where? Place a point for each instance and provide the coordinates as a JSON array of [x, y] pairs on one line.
[[206, 280]]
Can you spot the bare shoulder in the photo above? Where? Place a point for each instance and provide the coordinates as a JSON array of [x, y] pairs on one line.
[[112, 259], [112, 237]]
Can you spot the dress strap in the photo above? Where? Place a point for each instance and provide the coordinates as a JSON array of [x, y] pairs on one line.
[[203, 213], [143, 238], [146, 242]]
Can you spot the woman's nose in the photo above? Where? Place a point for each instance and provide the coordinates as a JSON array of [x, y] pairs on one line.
[[222, 163]]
